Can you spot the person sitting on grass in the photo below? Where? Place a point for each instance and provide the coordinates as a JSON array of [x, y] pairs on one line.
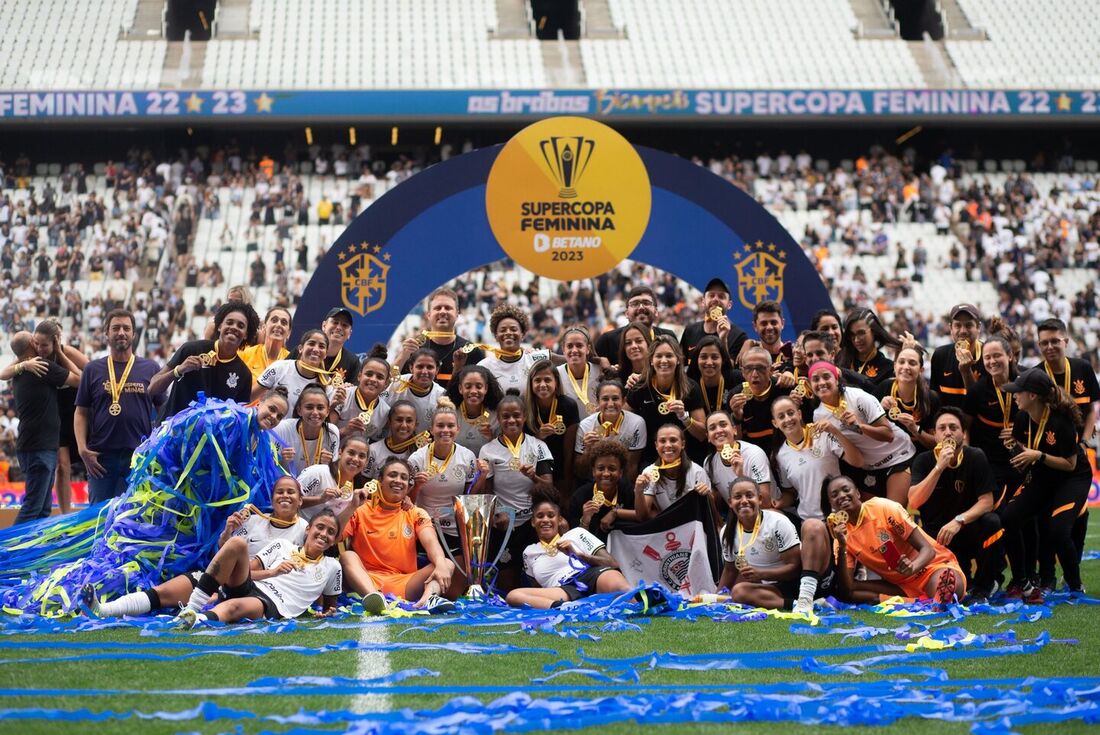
[[381, 555], [567, 566], [256, 529], [880, 535], [766, 564]]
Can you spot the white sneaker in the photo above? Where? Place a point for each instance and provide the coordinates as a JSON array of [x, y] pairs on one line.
[[188, 619], [803, 607], [436, 605], [374, 603]]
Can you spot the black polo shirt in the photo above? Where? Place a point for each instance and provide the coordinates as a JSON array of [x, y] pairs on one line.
[[956, 490]]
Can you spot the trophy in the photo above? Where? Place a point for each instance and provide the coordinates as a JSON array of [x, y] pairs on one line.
[[473, 517]]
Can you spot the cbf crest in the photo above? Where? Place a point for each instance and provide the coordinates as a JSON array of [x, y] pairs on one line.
[[363, 272], [760, 269]]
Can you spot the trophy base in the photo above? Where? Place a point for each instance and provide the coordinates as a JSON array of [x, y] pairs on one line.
[[476, 592]]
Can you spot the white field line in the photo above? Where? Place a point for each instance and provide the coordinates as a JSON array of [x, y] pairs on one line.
[[372, 664]]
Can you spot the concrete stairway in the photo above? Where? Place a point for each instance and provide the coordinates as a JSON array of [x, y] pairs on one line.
[[873, 19], [512, 19], [147, 20], [958, 26], [233, 19], [597, 20]]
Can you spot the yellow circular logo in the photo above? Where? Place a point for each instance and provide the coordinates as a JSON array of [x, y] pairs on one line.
[[568, 198]]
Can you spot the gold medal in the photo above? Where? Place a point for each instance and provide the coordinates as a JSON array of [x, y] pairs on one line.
[[894, 412], [346, 491], [727, 453], [115, 408], [514, 464], [662, 408], [468, 348], [558, 427], [606, 426], [746, 389], [364, 417], [589, 407], [208, 358], [598, 497], [372, 488], [422, 439], [838, 521], [653, 474], [716, 313], [245, 514], [431, 470], [740, 561], [338, 376], [422, 339]]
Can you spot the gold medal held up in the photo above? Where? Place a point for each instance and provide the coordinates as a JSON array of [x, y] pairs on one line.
[[746, 389], [740, 561], [716, 313], [662, 408], [514, 464], [558, 426], [802, 390], [727, 453], [208, 358], [894, 412], [653, 474], [346, 490], [422, 439], [598, 497], [364, 417]]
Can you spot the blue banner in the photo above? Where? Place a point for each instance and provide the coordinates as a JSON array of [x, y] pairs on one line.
[[693, 104]]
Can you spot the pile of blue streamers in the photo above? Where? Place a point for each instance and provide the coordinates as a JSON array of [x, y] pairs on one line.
[[187, 478]]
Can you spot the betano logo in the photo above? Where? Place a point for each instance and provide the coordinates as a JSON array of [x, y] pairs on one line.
[[568, 198], [567, 158]]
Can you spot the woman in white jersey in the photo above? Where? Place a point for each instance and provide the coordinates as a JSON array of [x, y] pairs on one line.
[[476, 393], [418, 387], [566, 566], [612, 420], [886, 448], [402, 438], [580, 373], [326, 485], [518, 462], [665, 481], [443, 470], [509, 362], [810, 455], [254, 528], [733, 458], [295, 375], [308, 438], [363, 411]]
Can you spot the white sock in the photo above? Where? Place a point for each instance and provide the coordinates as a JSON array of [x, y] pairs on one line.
[[198, 600], [807, 588], [135, 603]]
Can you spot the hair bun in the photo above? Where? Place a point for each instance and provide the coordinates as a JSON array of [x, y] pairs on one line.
[[378, 350], [512, 392], [445, 402]]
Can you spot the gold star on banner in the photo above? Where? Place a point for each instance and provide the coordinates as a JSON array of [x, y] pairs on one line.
[[748, 247], [1065, 103], [264, 103], [782, 254], [771, 247], [759, 243], [341, 256], [386, 257], [352, 247], [194, 103], [377, 249]]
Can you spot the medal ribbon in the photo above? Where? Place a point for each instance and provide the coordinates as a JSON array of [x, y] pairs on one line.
[[446, 463], [554, 418], [910, 408], [669, 466], [217, 351], [363, 406], [277, 522], [317, 448], [301, 559], [335, 360], [600, 496], [807, 439], [721, 392], [516, 448], [1039, 433], [1006, 406], [671, 396], [1065, 380], [403, 445], [741, 547], [324, 376], [614, 428], [580, 391], [473, 420], [430, 334], [551, 546], [116, 387]]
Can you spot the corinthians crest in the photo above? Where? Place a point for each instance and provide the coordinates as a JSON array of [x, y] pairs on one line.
[[363, 278], [567, 158], [760, 269]]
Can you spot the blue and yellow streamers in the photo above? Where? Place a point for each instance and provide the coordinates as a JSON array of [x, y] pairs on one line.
[[186, 479]]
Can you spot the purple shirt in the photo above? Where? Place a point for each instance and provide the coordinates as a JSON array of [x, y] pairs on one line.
[[129, 428]]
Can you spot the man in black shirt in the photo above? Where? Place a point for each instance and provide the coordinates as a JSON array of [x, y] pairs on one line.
[[955, 367], [35, 390], [337, 328], [440, 337], [641, 306], [953, 489], [716, 302], [1071, 374]]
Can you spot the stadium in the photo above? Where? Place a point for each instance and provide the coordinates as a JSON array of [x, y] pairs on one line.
[[549, 365]]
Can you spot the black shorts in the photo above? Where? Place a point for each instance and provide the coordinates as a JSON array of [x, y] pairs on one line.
[[873, 482], [584, 583], [248, 589]]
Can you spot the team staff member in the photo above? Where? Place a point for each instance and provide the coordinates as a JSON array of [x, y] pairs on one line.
[[641, 307], [715, 304], [860, 347], [953, 488], [1071, 374], [957, 366], [1057, 475], [114, 409], [767, 320], [666, 395], [881, 536], [337, 330], [276, 329], [211, 367], [440, 337], [751, 406]]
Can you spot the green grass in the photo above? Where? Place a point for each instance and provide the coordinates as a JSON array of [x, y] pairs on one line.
[[511, 670]]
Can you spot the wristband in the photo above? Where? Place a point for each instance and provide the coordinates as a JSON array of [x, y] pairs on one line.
[[176, 372], [685, 418]]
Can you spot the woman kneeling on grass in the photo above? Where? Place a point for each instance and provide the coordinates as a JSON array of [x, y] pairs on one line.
[[880, 535], [766, 564], [568, 566]]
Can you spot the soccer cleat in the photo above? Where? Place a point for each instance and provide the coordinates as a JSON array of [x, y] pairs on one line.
[[1016, 590], [188, 619], [1036, 596], [436, 605], [803, 607], [945, 587], [374, 603], [89, 601]]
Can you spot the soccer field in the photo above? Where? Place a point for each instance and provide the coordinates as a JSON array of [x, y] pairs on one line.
[[527, 672]]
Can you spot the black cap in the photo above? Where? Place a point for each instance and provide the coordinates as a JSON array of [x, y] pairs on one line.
[[716, 284], [1034, 381], [340, 311], [966, 309]]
